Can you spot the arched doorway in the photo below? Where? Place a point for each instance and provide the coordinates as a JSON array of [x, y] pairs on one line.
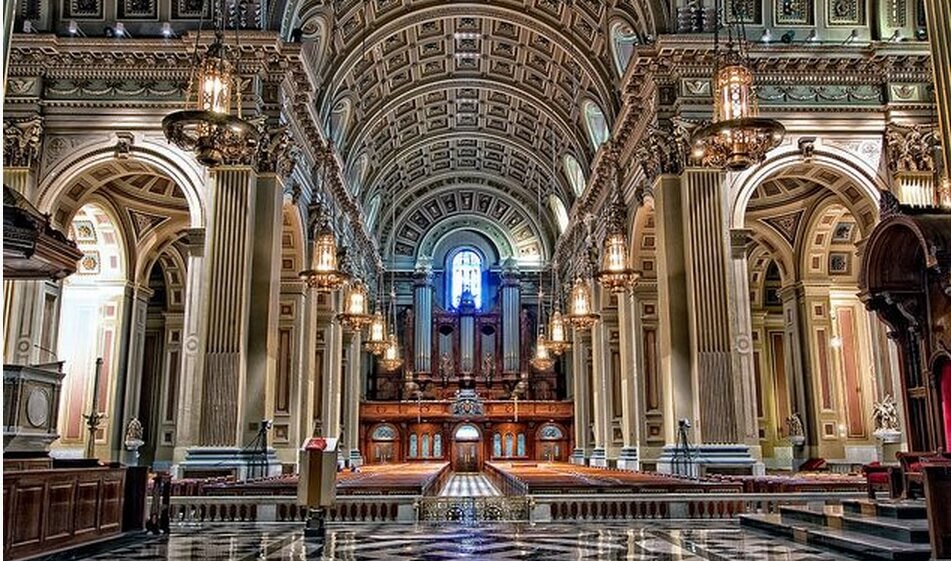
[[466, 448]]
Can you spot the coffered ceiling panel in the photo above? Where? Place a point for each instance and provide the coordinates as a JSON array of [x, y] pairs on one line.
[[480, 97]]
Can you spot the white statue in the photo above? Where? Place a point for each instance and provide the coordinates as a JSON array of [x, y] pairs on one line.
[[885, 416]]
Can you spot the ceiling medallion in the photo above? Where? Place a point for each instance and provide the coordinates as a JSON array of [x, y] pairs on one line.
[[206, 126], [738, 138]]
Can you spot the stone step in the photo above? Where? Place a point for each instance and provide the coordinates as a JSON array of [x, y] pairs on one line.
[[835, 517], [904, 509], [861, 544]]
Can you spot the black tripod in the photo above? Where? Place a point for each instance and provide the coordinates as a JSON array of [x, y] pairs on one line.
[[682, 462], [256, 450]]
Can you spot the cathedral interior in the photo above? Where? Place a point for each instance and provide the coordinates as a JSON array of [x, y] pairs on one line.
[[492, 279]]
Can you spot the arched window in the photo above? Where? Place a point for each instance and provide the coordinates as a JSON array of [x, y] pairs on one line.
[[596, 123], [384, 432], [359, 174], [520, 444], [339, 120], [558, 209], [623, 41], [550, 432], [372, 210], [437, 446], [425, 446], [497, 445], [575, 174], [509, 445], [466, 276], [413, 445]]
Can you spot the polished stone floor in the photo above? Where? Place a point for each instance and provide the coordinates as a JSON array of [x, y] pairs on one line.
[[639, 540], [469, 485]]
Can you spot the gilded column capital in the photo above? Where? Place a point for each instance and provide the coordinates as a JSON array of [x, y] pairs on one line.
[[21, 141]]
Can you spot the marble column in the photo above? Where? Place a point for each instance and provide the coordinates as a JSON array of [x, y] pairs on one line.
[[264, 305], [135, 330], [601, 392], [673, 324], [511, 308], [352, 398], [580, 389], [193, 349], [330, 418], [630, 383], [423, 319], [741, 337], [938, 15], [228, 249], [799, 372]]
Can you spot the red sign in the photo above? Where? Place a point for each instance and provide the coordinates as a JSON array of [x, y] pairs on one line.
[[316, 443]]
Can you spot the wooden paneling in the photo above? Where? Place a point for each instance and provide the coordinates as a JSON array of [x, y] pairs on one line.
[[47, 510]]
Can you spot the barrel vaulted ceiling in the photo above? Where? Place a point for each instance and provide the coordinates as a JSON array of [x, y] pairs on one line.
[[464, 109]]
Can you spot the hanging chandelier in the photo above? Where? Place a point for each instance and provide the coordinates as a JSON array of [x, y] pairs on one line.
[[206, 125], [616, 274], [542, 360], [391, 360], [325, 276], [355, 315], [557, 340], [376, 341], [581, 315], [738, 137]]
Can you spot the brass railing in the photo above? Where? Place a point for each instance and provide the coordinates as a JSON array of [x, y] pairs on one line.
[[474, 509]]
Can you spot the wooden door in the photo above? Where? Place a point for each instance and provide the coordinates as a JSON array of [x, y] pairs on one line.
[[466, 457]]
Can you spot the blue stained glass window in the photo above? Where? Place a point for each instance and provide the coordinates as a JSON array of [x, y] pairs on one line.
[[466, 276]]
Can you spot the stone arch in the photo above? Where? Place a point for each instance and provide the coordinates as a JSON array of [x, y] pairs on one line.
[[174, 269], [842, 166], [495, 235], [183, 171], [466, 238]]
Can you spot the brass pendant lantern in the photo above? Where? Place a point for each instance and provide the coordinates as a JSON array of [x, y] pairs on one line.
[[542, 360], [355, 315], [324, 275], [737, 138], [557, 341], [376, 341], [392, 358], [206, 125], [581, 315], [616, 274]]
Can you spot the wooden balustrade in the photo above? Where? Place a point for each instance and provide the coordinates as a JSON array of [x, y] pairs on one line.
[[506, 483], [200, 509], [672, 506]]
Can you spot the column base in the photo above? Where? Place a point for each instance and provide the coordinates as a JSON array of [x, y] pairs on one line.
[[628, 460], [577, 457], [355, 459], [207, 461], [709, 458], [599, 458]]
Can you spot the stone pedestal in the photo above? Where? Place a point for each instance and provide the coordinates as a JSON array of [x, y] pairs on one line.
[[628, 459]]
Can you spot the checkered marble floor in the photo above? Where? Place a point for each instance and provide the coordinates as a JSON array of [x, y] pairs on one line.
[[469, 485], [638, 541]]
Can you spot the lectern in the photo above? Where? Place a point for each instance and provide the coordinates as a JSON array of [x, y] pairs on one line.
[[316, 486]]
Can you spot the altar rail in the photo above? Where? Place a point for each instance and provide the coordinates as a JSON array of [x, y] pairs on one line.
[[528, 508], [673, 506]]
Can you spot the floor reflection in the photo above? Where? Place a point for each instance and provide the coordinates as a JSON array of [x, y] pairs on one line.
[[642, 541]]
